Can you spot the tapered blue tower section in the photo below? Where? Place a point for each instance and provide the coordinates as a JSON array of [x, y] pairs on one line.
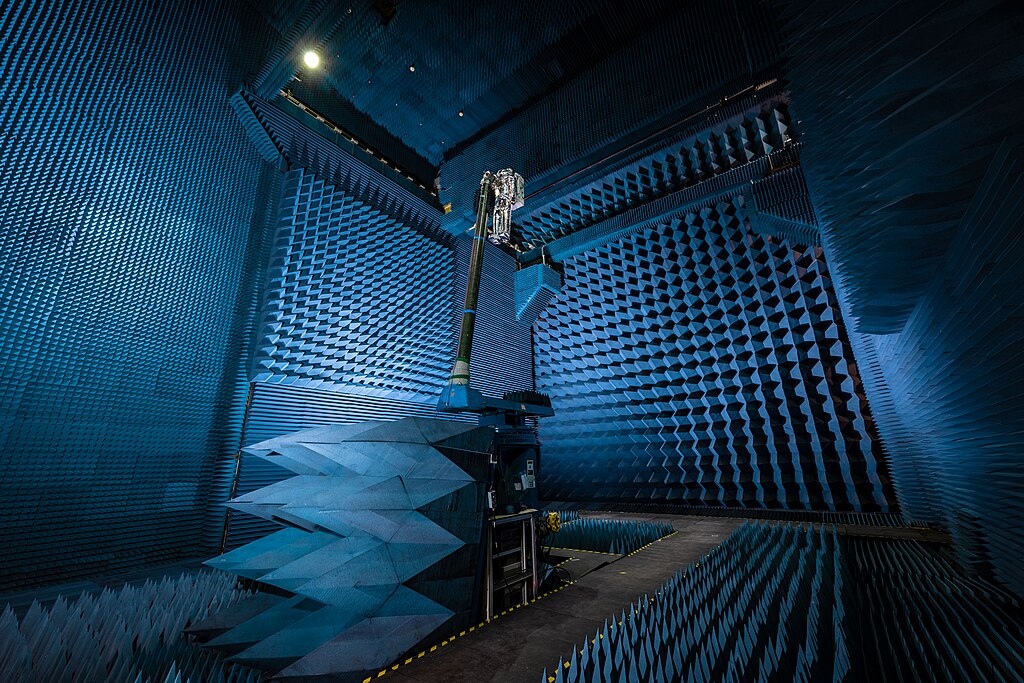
[[379, 550]]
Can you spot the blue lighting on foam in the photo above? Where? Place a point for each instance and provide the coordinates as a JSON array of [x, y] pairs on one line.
[[133, 209], [698, 363], [361, 321], [134, 250], [922, 225]]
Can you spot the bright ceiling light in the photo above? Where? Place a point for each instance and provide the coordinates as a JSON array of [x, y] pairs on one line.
[[311, 59]]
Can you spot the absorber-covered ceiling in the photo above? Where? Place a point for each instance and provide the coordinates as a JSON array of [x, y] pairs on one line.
[[562, 92], [412, 67]]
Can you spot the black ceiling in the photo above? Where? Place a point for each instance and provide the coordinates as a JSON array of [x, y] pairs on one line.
[[399, 84]]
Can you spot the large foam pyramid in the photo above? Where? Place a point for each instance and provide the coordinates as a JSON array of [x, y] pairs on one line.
[[379, 550]]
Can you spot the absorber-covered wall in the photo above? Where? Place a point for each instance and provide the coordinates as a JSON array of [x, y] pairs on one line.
[[700, 363], [132, 208], [922, 223], [360, 322], [693, 57], [358, 300], [355, 298]]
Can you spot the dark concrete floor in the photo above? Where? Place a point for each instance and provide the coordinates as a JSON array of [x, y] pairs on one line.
[[519, 646]]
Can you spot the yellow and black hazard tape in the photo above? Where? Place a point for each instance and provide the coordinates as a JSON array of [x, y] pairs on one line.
[[659, 540], [567, 663], [592, 552], [593, 641], [598, 552], [633, 612], [409, 660], [471, 629]]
